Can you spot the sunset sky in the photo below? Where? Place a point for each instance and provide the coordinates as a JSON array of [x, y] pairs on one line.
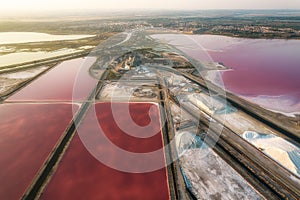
[[52, 5]]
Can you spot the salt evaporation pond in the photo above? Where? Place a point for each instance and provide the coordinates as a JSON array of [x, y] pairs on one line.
[[81, 176], [29, 133], [25, 37], [22, 57], [67, 81], [263, 71]]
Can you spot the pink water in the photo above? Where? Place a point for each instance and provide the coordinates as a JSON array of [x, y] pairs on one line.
[[262, 67], [67, 81], [81, 176], [266, 72], [29, 132]]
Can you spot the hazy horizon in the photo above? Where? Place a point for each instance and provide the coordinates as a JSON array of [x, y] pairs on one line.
[[72, 14], [12, 6]]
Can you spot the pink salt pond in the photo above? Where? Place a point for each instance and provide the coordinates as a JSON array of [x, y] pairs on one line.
[[67, 81], [82, 176], [29, 132]]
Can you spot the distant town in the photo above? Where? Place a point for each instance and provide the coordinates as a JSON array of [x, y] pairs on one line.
[[236, 23]]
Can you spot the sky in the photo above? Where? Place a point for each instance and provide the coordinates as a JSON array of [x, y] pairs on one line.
[[53, 5]]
